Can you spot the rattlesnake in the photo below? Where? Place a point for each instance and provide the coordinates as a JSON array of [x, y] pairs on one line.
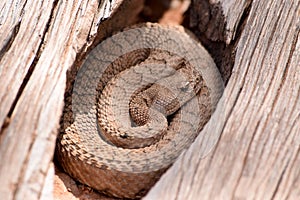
[[161, 77]]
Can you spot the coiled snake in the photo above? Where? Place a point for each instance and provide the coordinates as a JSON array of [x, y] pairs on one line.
[[140, 98]]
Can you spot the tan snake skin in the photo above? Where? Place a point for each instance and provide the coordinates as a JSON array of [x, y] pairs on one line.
[[140, 98]]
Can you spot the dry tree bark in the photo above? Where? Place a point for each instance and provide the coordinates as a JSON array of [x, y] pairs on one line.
[[253, 152]]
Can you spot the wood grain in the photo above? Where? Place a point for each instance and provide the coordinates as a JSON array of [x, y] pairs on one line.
[[39, 43], [258, 119], [218, 20]]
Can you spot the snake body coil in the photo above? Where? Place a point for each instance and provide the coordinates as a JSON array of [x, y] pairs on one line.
[[140, 98]]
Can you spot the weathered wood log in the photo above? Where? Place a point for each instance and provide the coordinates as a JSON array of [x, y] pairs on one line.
[[39, 42], [257, 124], [249, 149]]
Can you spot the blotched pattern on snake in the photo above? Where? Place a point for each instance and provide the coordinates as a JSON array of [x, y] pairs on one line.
[[140, 98]]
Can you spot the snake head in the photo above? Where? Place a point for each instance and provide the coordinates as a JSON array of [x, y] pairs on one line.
[[174, 91], [189, 82]]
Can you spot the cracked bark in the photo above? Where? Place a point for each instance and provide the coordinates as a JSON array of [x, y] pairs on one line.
[[253, 152]]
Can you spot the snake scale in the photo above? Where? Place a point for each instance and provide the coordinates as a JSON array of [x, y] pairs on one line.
[[140, 98]]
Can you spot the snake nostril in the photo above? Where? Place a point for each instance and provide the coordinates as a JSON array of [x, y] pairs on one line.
[[124, 136]]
